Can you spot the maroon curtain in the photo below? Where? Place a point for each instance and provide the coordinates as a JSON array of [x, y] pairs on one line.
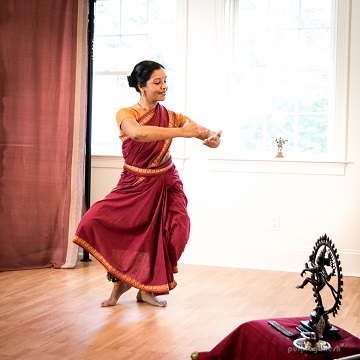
[[42, 117]]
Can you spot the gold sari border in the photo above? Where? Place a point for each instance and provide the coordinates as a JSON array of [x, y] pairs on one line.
[[121, 276], [147, 171]]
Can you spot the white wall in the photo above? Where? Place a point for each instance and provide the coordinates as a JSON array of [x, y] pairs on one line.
[[231, 212]]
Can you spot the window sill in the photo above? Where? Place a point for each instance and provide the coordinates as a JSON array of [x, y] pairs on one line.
[[280, 166], [270, 166]]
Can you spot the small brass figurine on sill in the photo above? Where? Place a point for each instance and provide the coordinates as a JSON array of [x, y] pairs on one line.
[[280, 142]]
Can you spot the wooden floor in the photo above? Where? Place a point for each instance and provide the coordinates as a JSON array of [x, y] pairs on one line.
[[52, 314]]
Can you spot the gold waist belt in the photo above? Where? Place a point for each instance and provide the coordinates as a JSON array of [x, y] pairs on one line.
[[147, 171]]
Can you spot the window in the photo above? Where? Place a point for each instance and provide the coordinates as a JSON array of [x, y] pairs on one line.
[[282, 68], [127, 32], [284, 76]]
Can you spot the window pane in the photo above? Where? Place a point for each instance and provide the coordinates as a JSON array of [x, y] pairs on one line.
[[316, 13], [107, 17], [105, 94], [133, 49], [127, 32], [280, 125], [315, 49], [283, 13], [248, 136], [313, 93], [161, 20], [105, 135], [109, 92], [134, 15], [312, 134], [283, 49], [106, 53], [282, 93], [282, 83], [157, 44]]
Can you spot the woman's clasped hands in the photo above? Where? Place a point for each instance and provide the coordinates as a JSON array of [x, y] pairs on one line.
[[191, 129], [213, 141]]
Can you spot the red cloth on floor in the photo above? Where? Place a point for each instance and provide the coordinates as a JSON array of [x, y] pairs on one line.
[[257, 340]]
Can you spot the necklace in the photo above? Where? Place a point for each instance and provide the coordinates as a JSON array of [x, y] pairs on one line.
[[142, 107]]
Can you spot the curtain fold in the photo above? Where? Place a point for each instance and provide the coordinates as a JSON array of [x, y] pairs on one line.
[[43, 62]]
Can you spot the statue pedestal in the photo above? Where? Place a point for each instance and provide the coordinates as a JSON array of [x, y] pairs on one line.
[[279, 154], [331, 333]]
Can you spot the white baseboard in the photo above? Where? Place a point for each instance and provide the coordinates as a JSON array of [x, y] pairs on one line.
[[262, 258]]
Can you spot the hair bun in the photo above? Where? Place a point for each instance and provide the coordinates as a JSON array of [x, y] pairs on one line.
[[131, 81], [142, 73]]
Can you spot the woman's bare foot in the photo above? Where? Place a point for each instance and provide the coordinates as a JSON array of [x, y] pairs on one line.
[[118, 289], [148, 297]]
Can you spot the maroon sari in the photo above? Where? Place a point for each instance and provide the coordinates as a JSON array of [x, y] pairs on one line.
[[139, 231]]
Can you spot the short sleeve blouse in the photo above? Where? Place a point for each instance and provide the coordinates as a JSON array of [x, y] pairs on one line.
[[130, 112]]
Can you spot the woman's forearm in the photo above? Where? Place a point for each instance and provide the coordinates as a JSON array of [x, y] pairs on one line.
[[206, 133], [154, 133]]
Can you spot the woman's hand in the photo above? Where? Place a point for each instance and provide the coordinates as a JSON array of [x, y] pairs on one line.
[[213, 141], [191, 129]]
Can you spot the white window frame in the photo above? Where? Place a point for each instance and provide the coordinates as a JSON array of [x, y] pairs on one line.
[[336, 165], [179, 92], [253, 162]]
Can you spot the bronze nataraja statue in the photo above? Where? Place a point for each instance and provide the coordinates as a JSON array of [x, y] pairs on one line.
[[325, 272]]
